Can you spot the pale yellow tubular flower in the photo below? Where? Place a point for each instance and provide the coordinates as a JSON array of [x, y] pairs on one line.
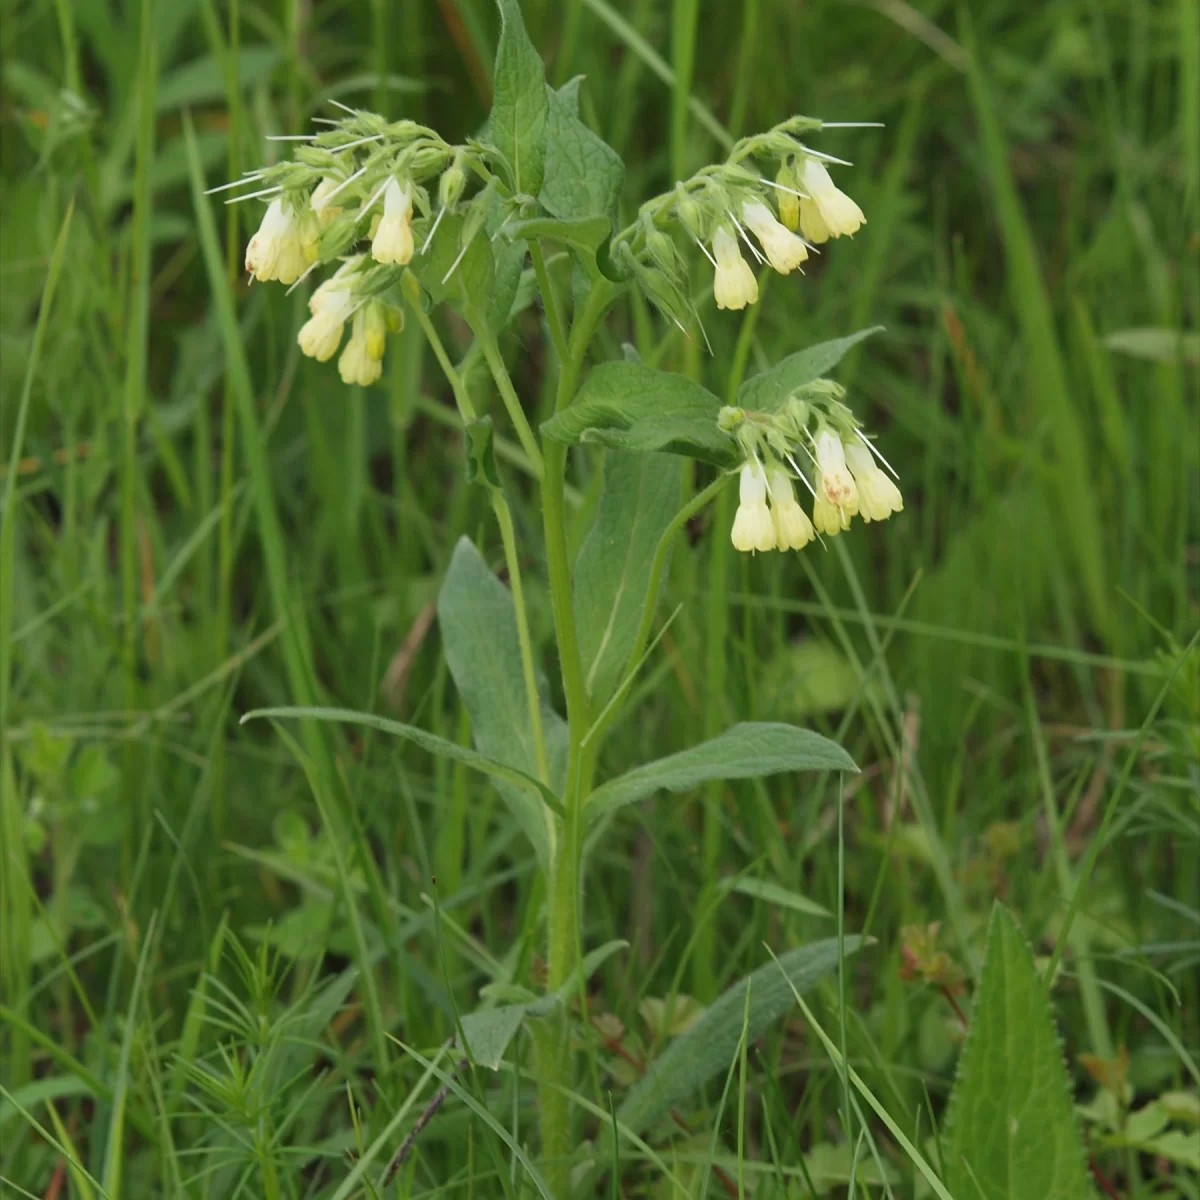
[[331, 305], [285, 245], [325, 210], [356, 364], [392, 241], [793, 529], [784, 250], [828, 518], [834, 481], [835, 212], [753, 527], [734, 285], [878, 496]]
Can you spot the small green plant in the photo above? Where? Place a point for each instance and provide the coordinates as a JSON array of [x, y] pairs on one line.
[[409, 221]]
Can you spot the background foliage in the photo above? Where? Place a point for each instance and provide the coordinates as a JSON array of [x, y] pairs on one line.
[[204, 967]]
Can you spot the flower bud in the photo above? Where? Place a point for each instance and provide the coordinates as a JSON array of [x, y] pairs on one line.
[[689, 212], [789, 202], [452, 183]]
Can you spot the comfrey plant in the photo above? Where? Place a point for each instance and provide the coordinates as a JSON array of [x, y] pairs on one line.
[[394, 221]]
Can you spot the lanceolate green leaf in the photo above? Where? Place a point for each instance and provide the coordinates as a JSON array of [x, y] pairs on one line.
[[612, 573], [1010, 1131], [709, 1045], [427, 741], [630, 406], [479, 636], [747, 751], [583, 172], [517, 126], [768, 391]]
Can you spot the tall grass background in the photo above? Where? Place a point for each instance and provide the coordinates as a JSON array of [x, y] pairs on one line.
[[197, 522]]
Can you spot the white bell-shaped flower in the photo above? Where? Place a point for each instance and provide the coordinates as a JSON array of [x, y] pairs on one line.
[[285, 245], [826, 211], [734, 285], [784, 250], [878, 496], [393, 240], [793, 529], [753, 527]]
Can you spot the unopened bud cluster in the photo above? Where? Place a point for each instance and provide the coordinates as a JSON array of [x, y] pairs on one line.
[[813, 439], [349, 196], [733, 206]]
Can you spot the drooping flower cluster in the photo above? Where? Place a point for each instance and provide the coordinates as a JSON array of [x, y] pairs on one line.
[[731, 206], [815, 439], [354, 196]]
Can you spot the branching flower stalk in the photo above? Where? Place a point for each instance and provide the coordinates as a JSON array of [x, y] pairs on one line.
[[396, 220]]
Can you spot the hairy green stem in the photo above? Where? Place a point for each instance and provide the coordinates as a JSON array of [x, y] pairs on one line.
[[512, 402], [563, 943], [466, 407], [554, 320]]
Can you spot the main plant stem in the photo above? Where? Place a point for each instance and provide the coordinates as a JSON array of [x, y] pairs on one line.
[[563, 946]]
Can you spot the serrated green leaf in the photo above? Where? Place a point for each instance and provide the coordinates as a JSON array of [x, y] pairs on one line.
[[583, 173], [479, 637], [1010, 1130], [612, 572], [767, 391], [629, 406], [747, 751], [517, 125], [708, 1047]]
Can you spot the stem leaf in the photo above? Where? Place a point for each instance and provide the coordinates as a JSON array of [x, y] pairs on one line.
[[479, 637], [629, 406], [614, 567], [517, 126], [768, 390], [747, 751], [709, 1045]]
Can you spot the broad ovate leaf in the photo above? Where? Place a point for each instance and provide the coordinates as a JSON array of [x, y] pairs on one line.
[[770, 389], [629, 406], [583, 173]]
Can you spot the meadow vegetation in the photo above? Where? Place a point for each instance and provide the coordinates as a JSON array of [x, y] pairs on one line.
[[237, 959]]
